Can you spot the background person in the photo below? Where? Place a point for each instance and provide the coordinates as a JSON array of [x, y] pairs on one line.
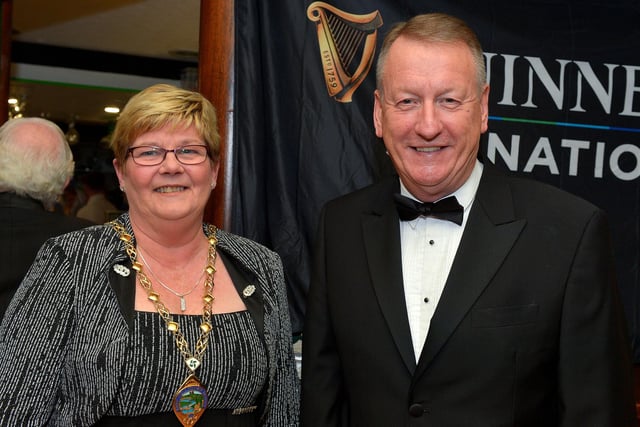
[[496, 308], [98, 207], [156, 318], [36, 165]]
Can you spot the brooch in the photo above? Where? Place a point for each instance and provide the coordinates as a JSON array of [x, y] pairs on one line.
[[121, 270], [248, 291]]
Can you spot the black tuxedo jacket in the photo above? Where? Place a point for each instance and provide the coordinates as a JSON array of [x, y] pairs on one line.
[[529, 330], [24, 227]]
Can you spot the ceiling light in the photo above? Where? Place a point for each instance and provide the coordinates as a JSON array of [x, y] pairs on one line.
[[12, 101], [111, 110]]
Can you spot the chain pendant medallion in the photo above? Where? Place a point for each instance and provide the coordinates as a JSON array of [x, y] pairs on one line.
[[190, 401]]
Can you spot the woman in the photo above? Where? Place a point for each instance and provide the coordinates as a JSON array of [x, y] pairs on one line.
[[154, 318]]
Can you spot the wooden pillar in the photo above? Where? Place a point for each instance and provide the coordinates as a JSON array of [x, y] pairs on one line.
[[5, 58], [216, 82]]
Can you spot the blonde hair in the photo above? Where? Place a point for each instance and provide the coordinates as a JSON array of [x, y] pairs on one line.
[[434, 28], [165, 105]]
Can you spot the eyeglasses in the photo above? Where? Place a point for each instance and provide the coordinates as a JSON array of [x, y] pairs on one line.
[[148, 155]]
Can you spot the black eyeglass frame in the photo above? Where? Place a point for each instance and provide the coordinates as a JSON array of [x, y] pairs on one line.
[[165, 151]]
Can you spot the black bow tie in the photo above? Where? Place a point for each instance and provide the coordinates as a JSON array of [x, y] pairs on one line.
[[447, 208]]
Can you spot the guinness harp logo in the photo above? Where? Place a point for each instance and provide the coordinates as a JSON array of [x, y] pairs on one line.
[[347, 44]]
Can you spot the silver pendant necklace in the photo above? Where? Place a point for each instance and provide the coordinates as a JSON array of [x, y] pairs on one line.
[[183, 302], [190, 400]]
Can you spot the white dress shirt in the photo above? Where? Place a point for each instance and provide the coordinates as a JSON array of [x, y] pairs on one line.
[[429, 246]]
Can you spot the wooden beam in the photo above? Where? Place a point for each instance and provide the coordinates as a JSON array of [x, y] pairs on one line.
[[216, 81], [5, 59]]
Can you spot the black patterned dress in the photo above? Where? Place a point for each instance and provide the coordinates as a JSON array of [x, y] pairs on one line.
[[233, 370]]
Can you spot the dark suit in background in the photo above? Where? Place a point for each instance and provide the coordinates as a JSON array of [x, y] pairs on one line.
[[25, 225], [36, 165]]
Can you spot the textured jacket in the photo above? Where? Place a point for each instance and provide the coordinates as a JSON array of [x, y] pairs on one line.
[[64, 338]]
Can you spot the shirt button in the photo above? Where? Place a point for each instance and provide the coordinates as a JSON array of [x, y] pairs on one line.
[[416, 410]]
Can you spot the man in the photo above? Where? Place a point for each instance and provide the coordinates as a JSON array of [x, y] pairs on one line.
[[36, 164], [499, 310]]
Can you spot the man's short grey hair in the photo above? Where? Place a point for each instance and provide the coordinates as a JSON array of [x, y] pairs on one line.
[[434, 28], [26, 170]]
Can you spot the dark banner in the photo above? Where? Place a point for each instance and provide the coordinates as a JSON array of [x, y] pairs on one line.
[[564, 108]]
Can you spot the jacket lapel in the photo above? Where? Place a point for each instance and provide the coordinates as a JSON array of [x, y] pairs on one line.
[[382, 244], [122, 279], [245, 280], [492, 223], [249, 289]]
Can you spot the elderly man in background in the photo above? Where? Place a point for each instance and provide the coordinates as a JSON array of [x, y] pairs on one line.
[[36, 164]]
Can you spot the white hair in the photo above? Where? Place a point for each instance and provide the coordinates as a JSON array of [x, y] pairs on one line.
[[35, 159]]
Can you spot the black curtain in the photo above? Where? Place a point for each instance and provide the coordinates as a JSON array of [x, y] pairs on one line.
[[564, 108]]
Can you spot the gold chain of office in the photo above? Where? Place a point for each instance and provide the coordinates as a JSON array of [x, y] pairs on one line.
[[194, 359]]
